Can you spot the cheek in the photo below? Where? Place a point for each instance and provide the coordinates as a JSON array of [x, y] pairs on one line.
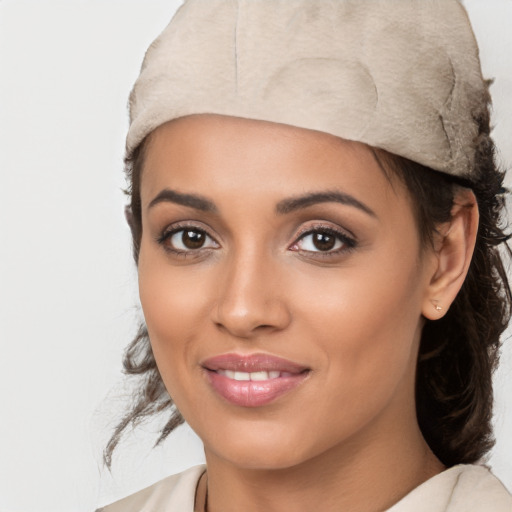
[[171, 294], [366, 321], [169, 301], [174, 306]]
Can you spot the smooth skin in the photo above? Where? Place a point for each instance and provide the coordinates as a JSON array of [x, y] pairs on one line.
[[232, 262]]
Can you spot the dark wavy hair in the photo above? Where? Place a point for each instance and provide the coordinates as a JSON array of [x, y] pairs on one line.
[[457, 354]]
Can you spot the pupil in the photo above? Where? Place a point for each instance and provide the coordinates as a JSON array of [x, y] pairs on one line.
[[323, 241], [193, 239]]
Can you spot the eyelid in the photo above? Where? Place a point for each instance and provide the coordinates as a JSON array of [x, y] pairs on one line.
[[172, 229], [349, 241], [325, 225]]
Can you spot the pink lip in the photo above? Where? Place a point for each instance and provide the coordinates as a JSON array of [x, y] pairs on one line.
[[253, 393]]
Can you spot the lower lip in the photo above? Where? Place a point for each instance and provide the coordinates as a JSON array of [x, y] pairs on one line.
[[247, 393]]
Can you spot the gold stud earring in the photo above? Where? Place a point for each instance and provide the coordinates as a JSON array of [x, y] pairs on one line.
[[436, 305]]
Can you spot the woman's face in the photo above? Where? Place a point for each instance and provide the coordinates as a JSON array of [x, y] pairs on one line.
[[282, 282]]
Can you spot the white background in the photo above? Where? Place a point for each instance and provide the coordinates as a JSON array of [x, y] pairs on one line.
[[68, 299]]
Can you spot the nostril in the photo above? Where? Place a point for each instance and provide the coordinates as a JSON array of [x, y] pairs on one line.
[[264, 327], [247, 326]]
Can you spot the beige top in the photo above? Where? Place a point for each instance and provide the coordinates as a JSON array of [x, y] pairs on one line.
[[463, 488]]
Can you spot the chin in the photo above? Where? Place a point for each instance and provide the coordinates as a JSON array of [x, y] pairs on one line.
[[260, 457], [264, 445]]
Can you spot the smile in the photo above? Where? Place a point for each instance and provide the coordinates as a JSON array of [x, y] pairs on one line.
[[253, 376], [252, 381]]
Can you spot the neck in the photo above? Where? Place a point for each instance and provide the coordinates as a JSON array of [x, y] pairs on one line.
[[367, 474]]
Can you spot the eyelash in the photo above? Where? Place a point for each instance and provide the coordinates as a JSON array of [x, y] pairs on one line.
[[347, 243], [167, 235]]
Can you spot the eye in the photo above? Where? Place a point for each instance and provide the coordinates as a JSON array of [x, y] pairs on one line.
[[187, 239], [323, 240]]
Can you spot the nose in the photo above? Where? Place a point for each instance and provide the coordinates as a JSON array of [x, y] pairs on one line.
[[251, 300]]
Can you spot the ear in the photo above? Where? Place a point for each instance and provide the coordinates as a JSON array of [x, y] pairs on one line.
[[128, 215], [452, 255]]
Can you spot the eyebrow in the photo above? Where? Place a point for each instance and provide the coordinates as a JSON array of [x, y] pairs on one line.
[[191, 200], [283, 207], [296, 203]]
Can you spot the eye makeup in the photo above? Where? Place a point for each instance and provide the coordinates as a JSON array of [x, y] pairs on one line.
[[186, 239], [317, 241], [323, 241]]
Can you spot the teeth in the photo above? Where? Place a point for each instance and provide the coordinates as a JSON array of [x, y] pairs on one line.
[[257, 376], [260, 375]]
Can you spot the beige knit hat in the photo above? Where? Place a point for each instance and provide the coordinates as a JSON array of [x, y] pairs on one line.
[[401, 75]]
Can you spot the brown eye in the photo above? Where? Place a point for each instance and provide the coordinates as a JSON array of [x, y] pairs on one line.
[[187, 240], [193, 239], [324, 241]]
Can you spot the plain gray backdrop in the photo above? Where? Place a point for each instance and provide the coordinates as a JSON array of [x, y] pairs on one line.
[[67, 282]]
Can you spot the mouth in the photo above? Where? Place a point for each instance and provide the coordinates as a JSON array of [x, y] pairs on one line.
[[254, 380], [254, 376]]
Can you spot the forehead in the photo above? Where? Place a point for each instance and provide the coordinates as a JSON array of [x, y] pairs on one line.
[[228, 158]]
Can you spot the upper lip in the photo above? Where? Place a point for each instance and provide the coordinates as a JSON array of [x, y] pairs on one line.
[[252, 363]]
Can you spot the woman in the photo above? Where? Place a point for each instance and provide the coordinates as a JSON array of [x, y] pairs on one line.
[[315, 213]]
